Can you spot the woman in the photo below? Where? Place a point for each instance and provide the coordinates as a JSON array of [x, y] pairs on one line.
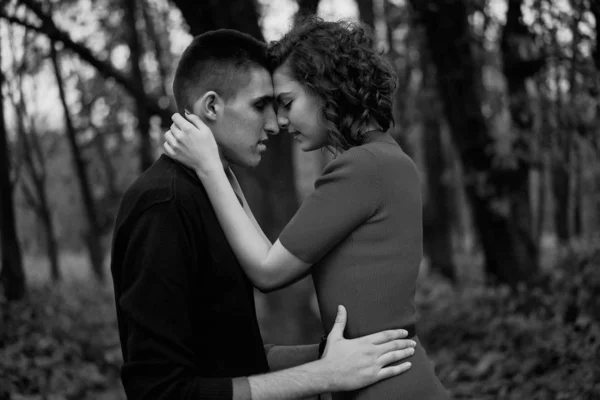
[[360, 232]]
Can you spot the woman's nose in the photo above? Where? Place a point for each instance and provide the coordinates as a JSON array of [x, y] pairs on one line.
[[282, 121]]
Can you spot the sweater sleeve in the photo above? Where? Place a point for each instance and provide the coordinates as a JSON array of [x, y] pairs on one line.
[[154, 302], [345, 196]]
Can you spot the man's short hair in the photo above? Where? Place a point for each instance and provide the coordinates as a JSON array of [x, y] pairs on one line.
[[217, 60]]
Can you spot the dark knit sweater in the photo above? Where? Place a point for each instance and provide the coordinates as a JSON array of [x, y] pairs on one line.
[[185, 309]]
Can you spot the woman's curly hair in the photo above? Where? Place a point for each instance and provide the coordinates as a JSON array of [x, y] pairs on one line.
[[337, 62]]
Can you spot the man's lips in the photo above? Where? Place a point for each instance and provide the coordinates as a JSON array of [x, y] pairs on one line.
[[262, 145]]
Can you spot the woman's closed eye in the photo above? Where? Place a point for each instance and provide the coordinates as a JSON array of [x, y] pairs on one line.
[[286, 105]]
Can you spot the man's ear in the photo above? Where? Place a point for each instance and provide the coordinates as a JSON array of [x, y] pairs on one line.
[[208, 107]]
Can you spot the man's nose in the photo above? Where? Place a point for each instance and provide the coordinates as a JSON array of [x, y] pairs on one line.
[[271, 126]]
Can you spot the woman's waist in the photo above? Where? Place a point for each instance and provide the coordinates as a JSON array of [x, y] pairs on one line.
[[365, 320], [419, 382]]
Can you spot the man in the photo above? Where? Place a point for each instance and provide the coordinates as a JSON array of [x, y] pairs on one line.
[[187, 321]]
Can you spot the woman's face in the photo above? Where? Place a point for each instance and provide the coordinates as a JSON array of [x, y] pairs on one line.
[[299, 111]]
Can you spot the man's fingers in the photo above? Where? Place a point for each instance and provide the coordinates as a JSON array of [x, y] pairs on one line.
[[395, 356], [386, 336], [398, 344], [388, 372], [340, 324]]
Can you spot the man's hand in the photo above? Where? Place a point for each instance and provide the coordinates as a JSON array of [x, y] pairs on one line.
[[353, 364]]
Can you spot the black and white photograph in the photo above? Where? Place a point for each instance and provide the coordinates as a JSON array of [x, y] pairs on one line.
[[300, 199]]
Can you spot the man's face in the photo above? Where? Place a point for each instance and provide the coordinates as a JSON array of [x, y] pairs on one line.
[[247, 121]]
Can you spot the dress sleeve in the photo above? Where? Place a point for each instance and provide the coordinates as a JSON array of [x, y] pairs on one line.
[[345, 196], [154, 302]]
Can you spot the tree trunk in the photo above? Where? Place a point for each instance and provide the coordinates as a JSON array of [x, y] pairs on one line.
[[51, 243], [595, 9], [437, 221], [270, 188], [560, 188], [307, 7], [367, 12], [510, 256], [12, 274], [202, 16], [156, 32], [143, 116], [37, 171], [39, 201], [518, 66], [93, 236]]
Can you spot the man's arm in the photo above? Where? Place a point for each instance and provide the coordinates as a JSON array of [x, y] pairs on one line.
[[160, 355], [346, 365], [160, 358]]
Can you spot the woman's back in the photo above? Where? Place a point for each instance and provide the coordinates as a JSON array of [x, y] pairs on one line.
[[363, 223]]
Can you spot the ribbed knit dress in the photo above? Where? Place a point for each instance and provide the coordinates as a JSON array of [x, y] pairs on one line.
[[362, 230]]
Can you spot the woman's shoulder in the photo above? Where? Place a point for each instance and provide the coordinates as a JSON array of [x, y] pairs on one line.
[[372, 157], [358, 159]]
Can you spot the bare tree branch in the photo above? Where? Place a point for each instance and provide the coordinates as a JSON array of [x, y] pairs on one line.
[[30, 199], [49, 29]]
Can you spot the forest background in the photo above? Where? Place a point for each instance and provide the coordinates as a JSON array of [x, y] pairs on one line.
[[498, 104]]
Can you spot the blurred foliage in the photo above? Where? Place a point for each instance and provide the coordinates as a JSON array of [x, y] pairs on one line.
[[535, 342], [61, 342], [539, 342]]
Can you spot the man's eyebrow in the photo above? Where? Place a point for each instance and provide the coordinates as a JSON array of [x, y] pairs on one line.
[[267, 98]]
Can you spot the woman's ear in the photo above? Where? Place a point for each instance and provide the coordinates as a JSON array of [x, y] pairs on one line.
[[209, 106]]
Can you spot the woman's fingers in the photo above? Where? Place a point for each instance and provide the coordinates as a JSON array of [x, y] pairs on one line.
[[168, 149], [395, 356], [170, 139], [181, 122], [195, 120], [192, 126]]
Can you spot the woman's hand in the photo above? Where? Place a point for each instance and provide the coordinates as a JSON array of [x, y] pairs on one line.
[[191, 142]]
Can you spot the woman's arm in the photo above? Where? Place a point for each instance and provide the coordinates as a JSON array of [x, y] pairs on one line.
[[238, 190], [268, 267]]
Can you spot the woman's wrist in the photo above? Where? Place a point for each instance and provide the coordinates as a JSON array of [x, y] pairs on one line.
[[207, 172]]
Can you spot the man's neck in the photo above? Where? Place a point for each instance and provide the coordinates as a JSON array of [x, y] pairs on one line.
[[224, 161]]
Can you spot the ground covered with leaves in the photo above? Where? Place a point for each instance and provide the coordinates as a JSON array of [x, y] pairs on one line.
[[537, 342], [60, 343]]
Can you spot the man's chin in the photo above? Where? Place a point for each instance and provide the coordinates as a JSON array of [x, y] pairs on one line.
[[255, 163], [248, 163]]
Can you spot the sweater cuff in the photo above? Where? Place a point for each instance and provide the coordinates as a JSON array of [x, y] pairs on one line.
[[241, 389]]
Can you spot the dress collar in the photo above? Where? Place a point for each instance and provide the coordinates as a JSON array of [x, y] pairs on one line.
[[378, 136]]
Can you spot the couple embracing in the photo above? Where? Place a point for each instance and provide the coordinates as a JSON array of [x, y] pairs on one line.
[[187, 251]]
